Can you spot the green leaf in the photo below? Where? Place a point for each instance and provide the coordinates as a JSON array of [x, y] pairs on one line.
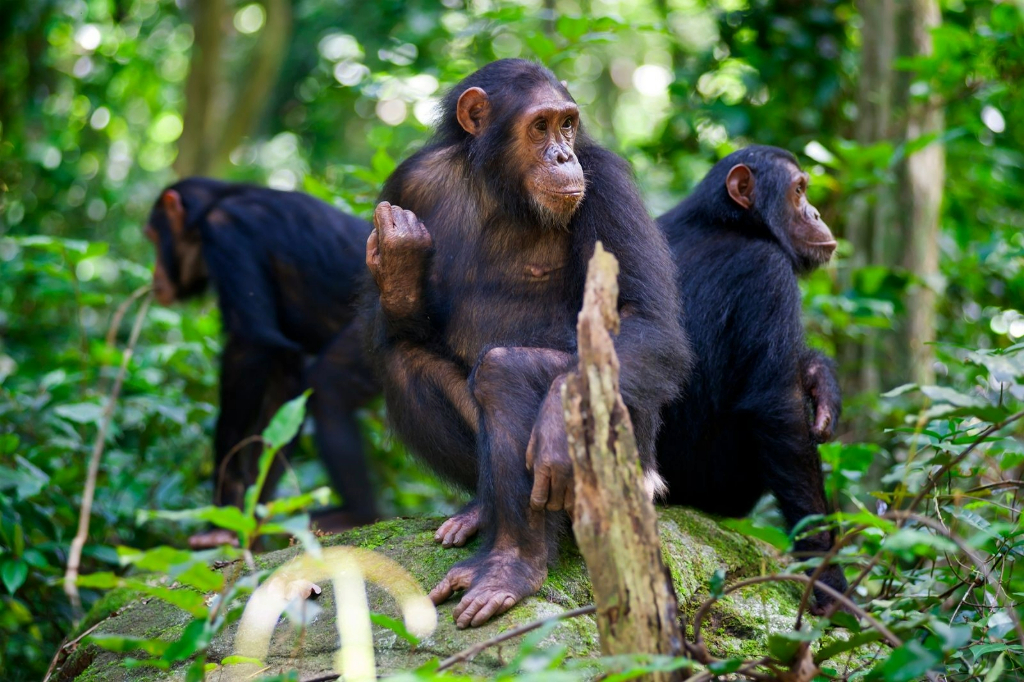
[[289, 505], [783, 645], [396, 626], [185, 599], [770, 534], [126, 644], [842, 646], [14, 573], [729, 665], [996, 673], [202, 577], [229, 518], [241, 660], [286, 423], [717, 583], [918, 542], [99, 581], [909, 662], [193, 638]]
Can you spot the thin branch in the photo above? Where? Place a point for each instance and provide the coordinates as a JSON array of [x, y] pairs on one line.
[[84, 514], [934, 480], [836, 546], [979, 562], [67, 644], [115, 321], [469, 652]]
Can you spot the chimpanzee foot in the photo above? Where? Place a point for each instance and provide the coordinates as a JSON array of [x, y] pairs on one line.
[[493, 584], [456, 531], [213, 538]]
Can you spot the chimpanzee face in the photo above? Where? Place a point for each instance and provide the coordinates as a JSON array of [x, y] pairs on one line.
[[538, 138], [163, 288], [546, 135], [179, 271], [810, 236]]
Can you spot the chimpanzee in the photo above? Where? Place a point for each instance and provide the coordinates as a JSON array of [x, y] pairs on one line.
[[740, 240], [288, 271], [480, 278]]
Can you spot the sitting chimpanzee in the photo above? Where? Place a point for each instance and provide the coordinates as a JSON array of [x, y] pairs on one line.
[[740, 240], [474, 314], [288, 270]]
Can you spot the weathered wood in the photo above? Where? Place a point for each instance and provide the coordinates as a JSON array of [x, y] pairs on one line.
[[614, 520]]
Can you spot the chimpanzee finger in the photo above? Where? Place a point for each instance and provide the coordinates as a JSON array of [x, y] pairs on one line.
[[539, 495], [570, 498], [382, 216], [556, 499], [495, 606], [442, 591], [529, 450], [372, 251]]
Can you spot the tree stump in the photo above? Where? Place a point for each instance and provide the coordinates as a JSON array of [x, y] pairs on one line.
[[614, 520]]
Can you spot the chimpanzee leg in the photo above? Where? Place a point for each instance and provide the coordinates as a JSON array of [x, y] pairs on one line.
[[509, 384], [342, 382], [432, 409], [285, 383], [244, 378], [793, 473]]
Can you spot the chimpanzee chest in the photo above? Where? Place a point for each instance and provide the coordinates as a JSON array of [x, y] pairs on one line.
[[506, 290]]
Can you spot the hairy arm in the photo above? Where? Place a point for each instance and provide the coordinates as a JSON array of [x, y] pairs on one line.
[[653, 350]]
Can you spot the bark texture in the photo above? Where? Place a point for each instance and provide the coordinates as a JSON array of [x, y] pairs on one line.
[[614, 519]]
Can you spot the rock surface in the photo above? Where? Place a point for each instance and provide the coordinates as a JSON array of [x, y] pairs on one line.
[[694, 545]]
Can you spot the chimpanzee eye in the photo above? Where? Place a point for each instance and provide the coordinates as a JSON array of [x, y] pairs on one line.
[[567, 124], [541, 125]]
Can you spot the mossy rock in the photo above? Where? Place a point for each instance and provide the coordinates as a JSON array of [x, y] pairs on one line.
[[695, 546]]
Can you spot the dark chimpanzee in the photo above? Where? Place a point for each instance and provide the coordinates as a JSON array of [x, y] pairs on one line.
[[288, 270], [475, 310], [740, 240]]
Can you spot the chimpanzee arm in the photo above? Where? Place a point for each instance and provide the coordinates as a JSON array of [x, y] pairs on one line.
[[767, 355], [421, 385], [821, 386], [237, 266], [653, 350]]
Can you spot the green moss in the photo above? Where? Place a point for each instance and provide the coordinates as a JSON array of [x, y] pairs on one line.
[[695, 546]]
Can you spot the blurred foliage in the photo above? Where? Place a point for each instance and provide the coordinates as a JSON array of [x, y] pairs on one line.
[[91, 111]]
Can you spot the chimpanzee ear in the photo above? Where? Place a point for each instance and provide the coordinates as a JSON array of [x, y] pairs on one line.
[[171, 202], [740, 184], [472, 110]]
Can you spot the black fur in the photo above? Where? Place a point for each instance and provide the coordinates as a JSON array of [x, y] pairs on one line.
[[287, 269], [470, 195], [742, 429]]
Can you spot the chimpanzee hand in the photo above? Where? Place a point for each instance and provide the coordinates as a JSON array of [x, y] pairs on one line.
[[397, 253], [822, 387], [547, 455]]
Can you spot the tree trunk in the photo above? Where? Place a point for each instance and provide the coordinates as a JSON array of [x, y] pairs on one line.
[[214, 122], [194, 152], [614, 519], [871, 212], [921, 188], [266, 61]]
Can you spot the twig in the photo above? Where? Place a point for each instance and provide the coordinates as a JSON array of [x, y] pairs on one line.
[[933, 480], [979, 562], [832, 592], [67, 644], [469, 652], [115, 321], [836, 546], [78, 543]]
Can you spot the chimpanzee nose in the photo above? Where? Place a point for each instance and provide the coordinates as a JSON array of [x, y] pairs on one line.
[[563, 156]]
